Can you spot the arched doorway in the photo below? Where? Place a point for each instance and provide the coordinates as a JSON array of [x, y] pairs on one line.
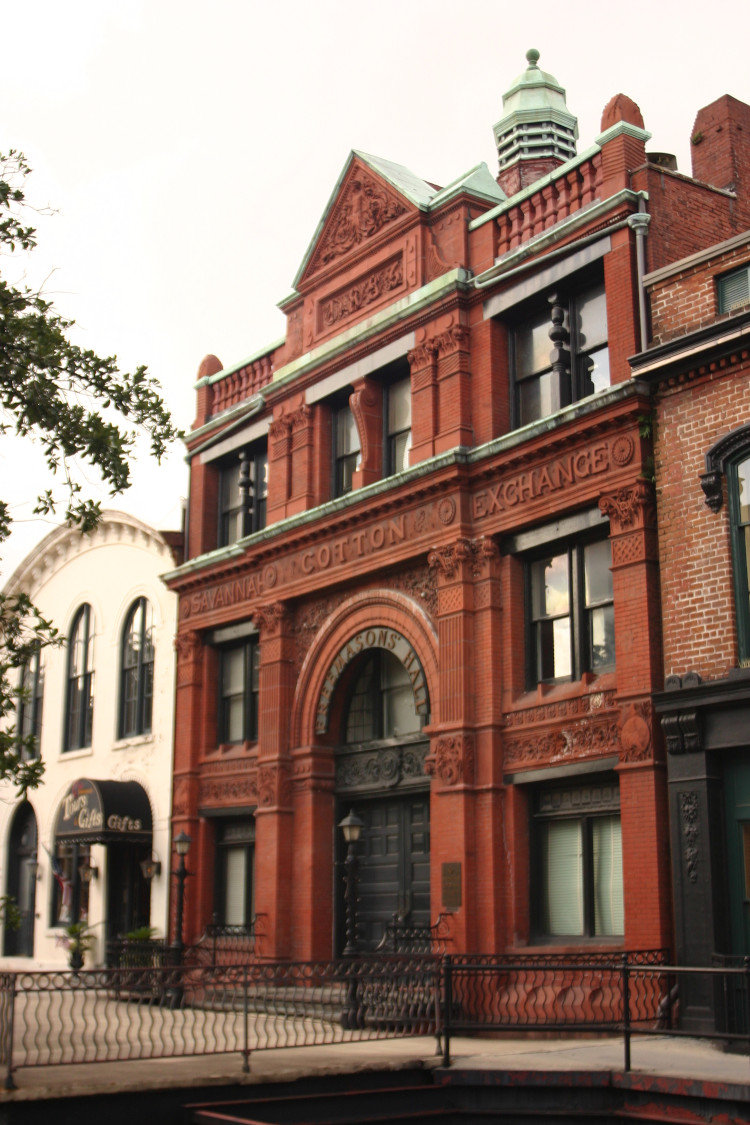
[[380, 775], [21, 881]]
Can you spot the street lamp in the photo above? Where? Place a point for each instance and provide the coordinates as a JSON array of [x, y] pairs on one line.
[[352, 827], [182, 847]]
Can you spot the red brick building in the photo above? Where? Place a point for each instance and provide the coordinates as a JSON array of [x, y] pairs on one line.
[[422, 578], [699, 368]]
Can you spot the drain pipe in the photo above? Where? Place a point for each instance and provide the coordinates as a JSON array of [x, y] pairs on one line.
[[639, 223]]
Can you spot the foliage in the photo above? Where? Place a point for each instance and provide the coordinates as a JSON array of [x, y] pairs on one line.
[[80, 408], [142, 933], [78, 939], [10, 915]]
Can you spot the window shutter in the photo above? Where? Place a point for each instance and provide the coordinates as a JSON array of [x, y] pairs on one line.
[[734, 290]]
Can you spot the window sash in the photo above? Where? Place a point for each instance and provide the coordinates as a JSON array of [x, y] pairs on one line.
[[541, 390], [580, 877], [239, 517], [80, 693], [571, 619], [239, 678]]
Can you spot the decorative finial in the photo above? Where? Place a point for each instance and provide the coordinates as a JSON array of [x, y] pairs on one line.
[[532, 56]]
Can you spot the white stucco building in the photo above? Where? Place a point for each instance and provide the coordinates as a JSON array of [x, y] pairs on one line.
[[91, 844]]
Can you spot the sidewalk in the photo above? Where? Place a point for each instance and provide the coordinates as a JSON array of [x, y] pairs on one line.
[[690, 1061]]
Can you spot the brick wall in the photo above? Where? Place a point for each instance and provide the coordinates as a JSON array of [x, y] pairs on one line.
[[694, 548]]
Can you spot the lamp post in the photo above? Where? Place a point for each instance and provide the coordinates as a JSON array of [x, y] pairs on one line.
[[182, 847], [352, 827]]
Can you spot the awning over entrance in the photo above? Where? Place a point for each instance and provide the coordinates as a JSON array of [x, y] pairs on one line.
[[104, 812]]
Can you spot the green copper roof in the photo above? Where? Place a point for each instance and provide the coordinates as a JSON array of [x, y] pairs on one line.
[[536, 121]]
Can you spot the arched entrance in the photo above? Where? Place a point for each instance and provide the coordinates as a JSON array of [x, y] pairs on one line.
[[21, 881], [380, 708]]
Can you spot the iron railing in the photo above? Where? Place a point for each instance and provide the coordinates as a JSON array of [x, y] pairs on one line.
[[112, 1015], [405, 938], [156, 1011], [637, 994]]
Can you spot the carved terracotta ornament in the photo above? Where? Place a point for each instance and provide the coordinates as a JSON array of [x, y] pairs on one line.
[[219, 792], [357, 296], [630, 507], [188, 645], [274, 788], [690, 823], [364, 208], [453, 759], [446, 560], [269, 618], [635, 734]]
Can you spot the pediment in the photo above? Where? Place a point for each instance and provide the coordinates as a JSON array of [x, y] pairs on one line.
[[370, 196]]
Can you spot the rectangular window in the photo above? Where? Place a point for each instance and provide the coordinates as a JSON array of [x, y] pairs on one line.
[[578, 863], [239, 682], [235, 855], [243, 488], [346, 450], [571, 612], [733, 290], [560, 353], [398, 426]]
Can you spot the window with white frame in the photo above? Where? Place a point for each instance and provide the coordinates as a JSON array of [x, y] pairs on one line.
[[79, 712], [30, 707], [137, 671]]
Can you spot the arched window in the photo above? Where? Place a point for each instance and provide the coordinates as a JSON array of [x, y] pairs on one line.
[[30, 703], [137, 671], [80, 695], [381, 702]]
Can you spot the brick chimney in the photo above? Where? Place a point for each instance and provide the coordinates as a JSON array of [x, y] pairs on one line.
[[720, 150]]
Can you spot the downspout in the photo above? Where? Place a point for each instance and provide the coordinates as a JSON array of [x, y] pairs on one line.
[[639, 223]]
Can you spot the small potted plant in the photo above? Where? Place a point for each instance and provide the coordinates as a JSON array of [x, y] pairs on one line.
[[78, 941]]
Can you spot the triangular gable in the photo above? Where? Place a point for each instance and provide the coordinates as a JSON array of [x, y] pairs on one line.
[[369, 195]]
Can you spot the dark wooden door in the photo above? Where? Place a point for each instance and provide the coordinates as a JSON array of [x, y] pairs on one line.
[[394, 866]]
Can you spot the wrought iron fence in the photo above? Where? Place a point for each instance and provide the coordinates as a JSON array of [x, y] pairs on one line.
[[402, 937], [637, 994], [110, 1015], [156, 1011]]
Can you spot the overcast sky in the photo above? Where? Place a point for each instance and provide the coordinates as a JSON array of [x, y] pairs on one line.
[[190, 149]]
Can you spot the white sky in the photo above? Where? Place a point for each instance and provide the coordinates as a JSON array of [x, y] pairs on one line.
[[190, 149]]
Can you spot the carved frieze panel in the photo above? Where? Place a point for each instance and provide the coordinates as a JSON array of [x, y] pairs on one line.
[[363, 208], [556, 475], [381, 768], [238, 789], [584, 727], [354, 298]]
